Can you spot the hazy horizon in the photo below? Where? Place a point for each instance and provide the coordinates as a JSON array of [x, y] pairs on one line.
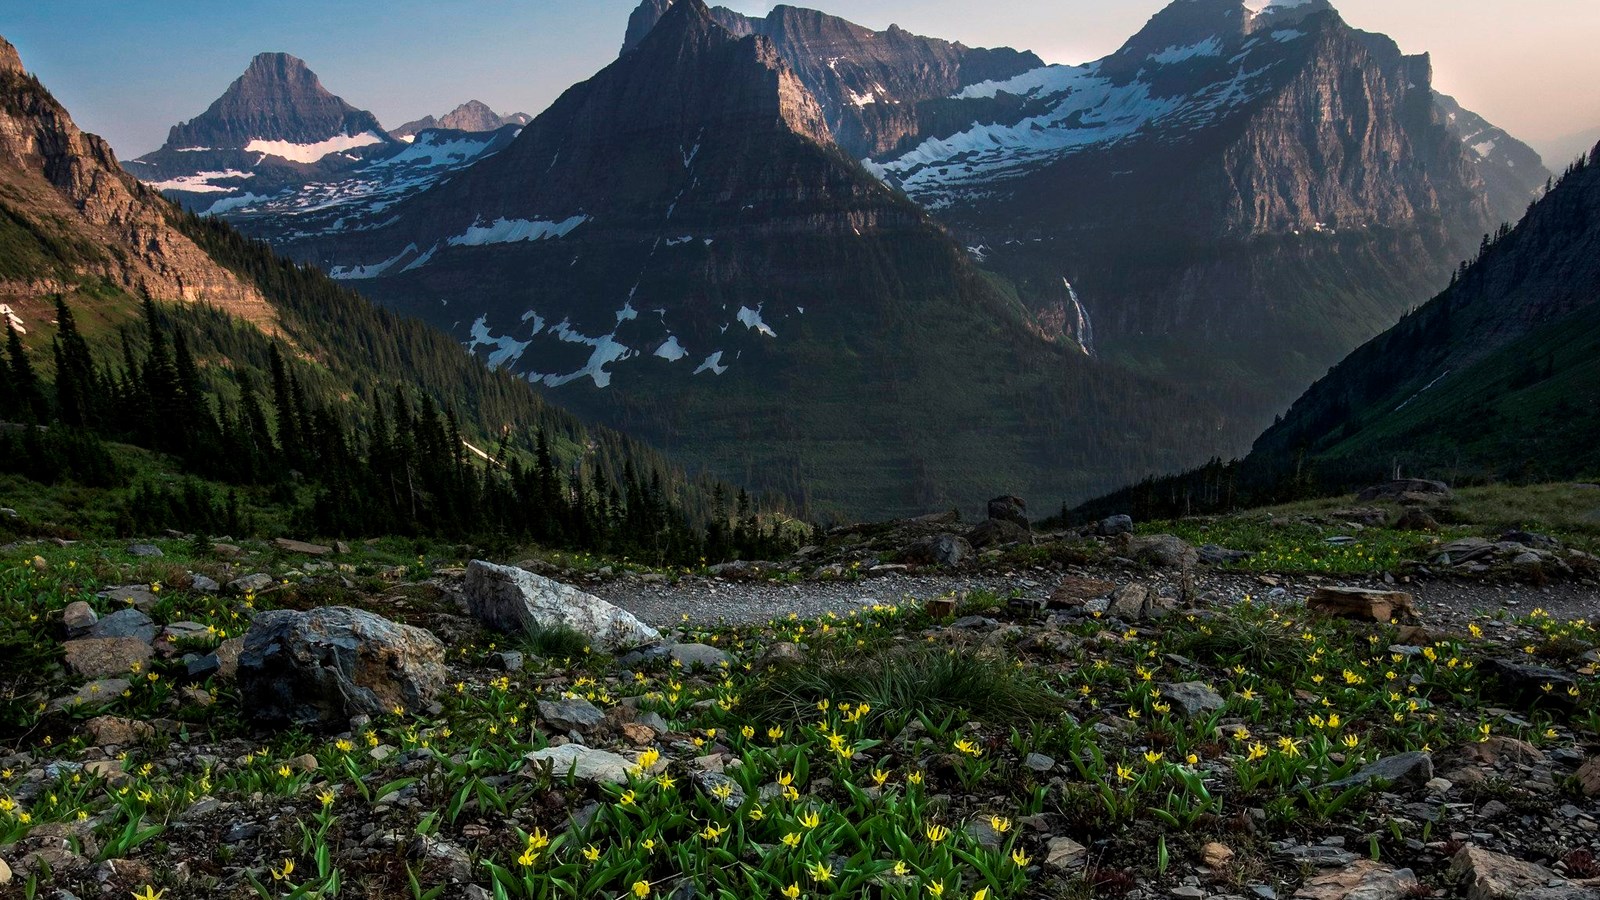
[[1529, 69]]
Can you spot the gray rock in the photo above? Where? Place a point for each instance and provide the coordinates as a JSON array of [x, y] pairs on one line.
[[518, 602], [1403, 770], [781, 654], [95, 693], [78, 618], [693, 656], [1319, 855], [996, 533], [203, 584], [939, 550], [222, 662], [1111, 526], [146, 551], [1038, 762], [975, 623], [1361, 880], [572, 715], [1135, 603], [320, 668], [584, 763], [1212, 555], [255, 583], [711, 782], [1192, 698], [508, 660], [1010, 509], [1162, 550], [125, 623], [441, 856], [1520, 681]]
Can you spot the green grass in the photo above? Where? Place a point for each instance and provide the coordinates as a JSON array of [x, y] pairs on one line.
[[918, 679]]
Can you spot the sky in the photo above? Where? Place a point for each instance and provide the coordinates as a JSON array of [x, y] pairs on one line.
[[130, 69]]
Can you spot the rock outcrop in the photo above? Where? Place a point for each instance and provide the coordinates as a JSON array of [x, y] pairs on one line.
[[320, 668], [515, 601]]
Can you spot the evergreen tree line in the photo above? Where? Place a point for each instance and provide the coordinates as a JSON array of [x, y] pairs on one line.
[[407, 472]]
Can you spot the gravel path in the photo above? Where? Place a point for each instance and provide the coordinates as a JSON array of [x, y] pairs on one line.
[[712, 600]]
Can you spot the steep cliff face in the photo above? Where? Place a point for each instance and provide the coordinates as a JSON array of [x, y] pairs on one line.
[[275, 128], [678, 248], [1237, 197], [69, 210], [869, 83]]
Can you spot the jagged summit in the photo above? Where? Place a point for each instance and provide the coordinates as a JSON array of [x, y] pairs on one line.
[[278, 98], [473, 116], [871, 84]]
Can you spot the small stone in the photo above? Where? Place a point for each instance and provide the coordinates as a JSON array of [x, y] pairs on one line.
[[1361, 880], [203, 584], [721, 788], [1216, 856], [1193, 698], [1063, 853], [113, 730], [145, 551], [572, 715], [78, 618], [1038, 762], [95, 693], [301, 547], [508, 660], [584, 763], [692, 656], [1414, 769], [125, 623], [638, 735], [250, 584], [1363, 604]]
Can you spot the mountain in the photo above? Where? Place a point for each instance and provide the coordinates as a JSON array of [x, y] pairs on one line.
[[471, 116], [1237, 197], [1496, 377], [275, 127], [678, 248], [869, 83], [1563, 149], [74, 223], [277, 155]]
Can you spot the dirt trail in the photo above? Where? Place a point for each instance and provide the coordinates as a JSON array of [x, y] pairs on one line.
[[709, 600]]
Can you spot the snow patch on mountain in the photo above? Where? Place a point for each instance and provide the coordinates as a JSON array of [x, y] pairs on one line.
[[671, 350], [507, 348], [310, 153], [356, 273], [751, 319], [1208, 47], [508, 231], [201, 182], [432, 149], [607, 350], [227, 204], [713, 364]]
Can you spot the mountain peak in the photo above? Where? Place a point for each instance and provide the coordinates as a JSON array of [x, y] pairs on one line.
[[10, 60], [277, 99]]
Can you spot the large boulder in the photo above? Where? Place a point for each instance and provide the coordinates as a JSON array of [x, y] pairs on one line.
[[125, 623], [1010, 509], [323, 667], [939, 550], [1163, 550], [996, 533], [1406, 489], [1363, 604], [1111, 526], [1407, 770], [516, 601]]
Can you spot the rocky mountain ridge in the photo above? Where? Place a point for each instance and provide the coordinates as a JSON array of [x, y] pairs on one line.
[[471, 116], [870, 83], [73, 218], [678, 247]]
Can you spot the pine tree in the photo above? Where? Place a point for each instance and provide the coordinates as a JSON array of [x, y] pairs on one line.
[[29, 400]]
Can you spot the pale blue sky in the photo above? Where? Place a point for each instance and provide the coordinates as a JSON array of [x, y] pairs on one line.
[[132, 68]]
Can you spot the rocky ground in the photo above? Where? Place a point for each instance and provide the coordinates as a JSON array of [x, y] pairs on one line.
[[1078, 716]]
